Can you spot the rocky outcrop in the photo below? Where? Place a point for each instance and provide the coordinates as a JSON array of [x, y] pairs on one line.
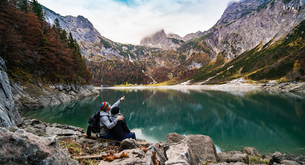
[[284, 87], [9, 115], [279, 158], [49, 130], [20, 147], [33, 96], [246, 24]]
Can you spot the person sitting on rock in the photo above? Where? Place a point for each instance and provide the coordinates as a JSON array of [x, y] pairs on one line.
[[106, 124], [120, 131]]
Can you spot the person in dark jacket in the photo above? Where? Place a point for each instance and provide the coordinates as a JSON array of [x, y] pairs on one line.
[[120, 131]]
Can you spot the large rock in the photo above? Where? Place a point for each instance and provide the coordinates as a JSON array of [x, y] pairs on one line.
[[9, 115], [233, 156], [181, 153], [20, 147], [289, 162], [129, 144], [278, 157], [174, 138], [250, 151], [202, 146]]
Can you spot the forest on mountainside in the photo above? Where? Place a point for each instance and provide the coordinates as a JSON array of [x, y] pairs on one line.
[[115, 72], [35, 51]]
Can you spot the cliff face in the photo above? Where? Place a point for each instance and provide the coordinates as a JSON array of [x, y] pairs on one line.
[[248, 23], [163, 41], [9, 115], [168, 41], [85, 34]]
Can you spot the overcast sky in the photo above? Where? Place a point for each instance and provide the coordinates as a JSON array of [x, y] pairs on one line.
[[128, 21]]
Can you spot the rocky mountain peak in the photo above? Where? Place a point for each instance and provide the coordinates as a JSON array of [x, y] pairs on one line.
[[162, 40]]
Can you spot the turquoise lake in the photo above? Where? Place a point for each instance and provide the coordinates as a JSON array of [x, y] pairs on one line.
[[234, 120]]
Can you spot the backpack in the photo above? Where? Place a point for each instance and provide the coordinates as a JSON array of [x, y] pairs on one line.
[[94, 124]]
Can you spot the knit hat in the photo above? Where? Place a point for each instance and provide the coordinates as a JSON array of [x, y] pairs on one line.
[[104, 106], [115, 110]]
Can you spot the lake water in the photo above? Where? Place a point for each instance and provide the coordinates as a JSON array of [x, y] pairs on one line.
[[268, 122]]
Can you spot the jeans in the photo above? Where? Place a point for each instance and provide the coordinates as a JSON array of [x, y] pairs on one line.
[[107, 136], [130, 135]]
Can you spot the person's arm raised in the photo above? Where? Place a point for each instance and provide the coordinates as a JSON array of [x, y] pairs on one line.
[[116, 104]]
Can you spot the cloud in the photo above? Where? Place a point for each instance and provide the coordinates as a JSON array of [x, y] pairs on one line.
[[128, 21]]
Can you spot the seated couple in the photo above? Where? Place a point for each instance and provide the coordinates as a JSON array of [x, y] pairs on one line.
[[114, 126]]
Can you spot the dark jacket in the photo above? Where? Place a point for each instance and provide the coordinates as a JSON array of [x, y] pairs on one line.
[[120, 129]]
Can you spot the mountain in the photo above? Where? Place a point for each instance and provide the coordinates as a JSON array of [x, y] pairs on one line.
[[168, 41], [94, 46], [162, 41], [282, 60], [246, 24]]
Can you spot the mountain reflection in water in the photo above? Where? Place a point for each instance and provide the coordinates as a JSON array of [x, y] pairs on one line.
[[268, 122]]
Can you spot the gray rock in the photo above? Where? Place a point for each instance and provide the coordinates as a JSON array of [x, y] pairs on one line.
[[129, 144], [50, 131], [233, 156], [250, 151], [174, 138], [203, 146], [26, 148], [278, 157], [289, 162], [180, 153], [159, 150], [9, 115], [300, 159]]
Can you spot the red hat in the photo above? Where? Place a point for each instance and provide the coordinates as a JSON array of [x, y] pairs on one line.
[[104, 106]]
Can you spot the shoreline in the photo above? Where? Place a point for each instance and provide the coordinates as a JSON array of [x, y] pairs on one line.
[[181, 87]]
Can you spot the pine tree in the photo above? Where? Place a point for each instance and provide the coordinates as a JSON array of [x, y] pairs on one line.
[[57, 25], [37, 10], [24, 5]]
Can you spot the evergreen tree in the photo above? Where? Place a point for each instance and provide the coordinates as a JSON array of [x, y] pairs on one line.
[[63, 37], [24, 5], [57, 25], [37, 10]]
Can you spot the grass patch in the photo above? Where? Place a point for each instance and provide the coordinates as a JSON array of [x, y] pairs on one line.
[[33, 90], [257, 160]]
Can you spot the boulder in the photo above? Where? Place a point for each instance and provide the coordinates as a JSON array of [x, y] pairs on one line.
[[250, 151], [174, 138], [233, 156], [181, 153], [20, 147], [289, 162], [50, 131], [129, 144], [300, 159], [203, 147], [159, 150], [278, 157]]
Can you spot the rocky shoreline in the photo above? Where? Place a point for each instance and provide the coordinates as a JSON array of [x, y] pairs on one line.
[[36, 142]]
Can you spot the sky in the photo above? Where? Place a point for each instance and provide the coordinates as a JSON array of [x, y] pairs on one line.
[[129, 21]]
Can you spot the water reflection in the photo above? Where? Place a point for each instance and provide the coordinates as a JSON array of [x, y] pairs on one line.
[[269, 122]]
